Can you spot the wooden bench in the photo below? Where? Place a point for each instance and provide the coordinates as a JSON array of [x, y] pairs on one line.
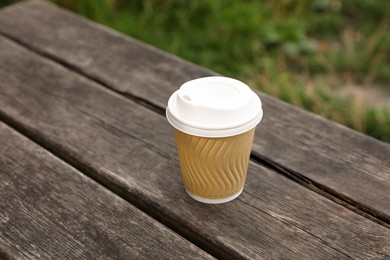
[[88, 164]]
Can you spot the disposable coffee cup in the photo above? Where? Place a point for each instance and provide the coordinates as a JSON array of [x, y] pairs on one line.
[[214, 120]]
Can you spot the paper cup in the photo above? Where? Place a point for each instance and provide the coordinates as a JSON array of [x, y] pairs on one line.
[[214, 120]]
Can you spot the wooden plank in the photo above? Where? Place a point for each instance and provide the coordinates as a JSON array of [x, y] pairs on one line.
[[326, 156], [49, 210], [131, 150]]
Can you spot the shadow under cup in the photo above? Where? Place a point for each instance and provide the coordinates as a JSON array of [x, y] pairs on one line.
[[214, 169]]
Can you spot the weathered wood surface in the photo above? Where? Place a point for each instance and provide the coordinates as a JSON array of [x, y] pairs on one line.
[[131, 150], [314, 151], [49, 210]]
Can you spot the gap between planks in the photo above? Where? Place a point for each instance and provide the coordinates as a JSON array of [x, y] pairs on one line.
[[308, 183]]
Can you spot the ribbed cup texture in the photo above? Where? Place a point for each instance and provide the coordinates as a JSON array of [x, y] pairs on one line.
[[214, 168]]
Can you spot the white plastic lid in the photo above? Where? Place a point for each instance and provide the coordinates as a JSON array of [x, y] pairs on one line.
[[214, 107]]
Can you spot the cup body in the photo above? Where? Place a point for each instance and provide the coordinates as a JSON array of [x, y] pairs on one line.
[[214, 169]]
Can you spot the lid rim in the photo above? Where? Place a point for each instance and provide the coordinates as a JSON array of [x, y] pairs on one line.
[[213, 133]]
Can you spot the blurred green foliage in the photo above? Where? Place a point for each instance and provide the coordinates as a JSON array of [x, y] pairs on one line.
[[301, 51]]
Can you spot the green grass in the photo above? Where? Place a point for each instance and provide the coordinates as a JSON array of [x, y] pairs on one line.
[[300, 51]]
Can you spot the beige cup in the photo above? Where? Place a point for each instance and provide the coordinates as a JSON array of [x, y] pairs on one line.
[[214, 120], [214, 169]]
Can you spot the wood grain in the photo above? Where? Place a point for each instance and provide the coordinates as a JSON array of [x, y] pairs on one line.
[[49, 210], [351, 166], [131, 150]]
